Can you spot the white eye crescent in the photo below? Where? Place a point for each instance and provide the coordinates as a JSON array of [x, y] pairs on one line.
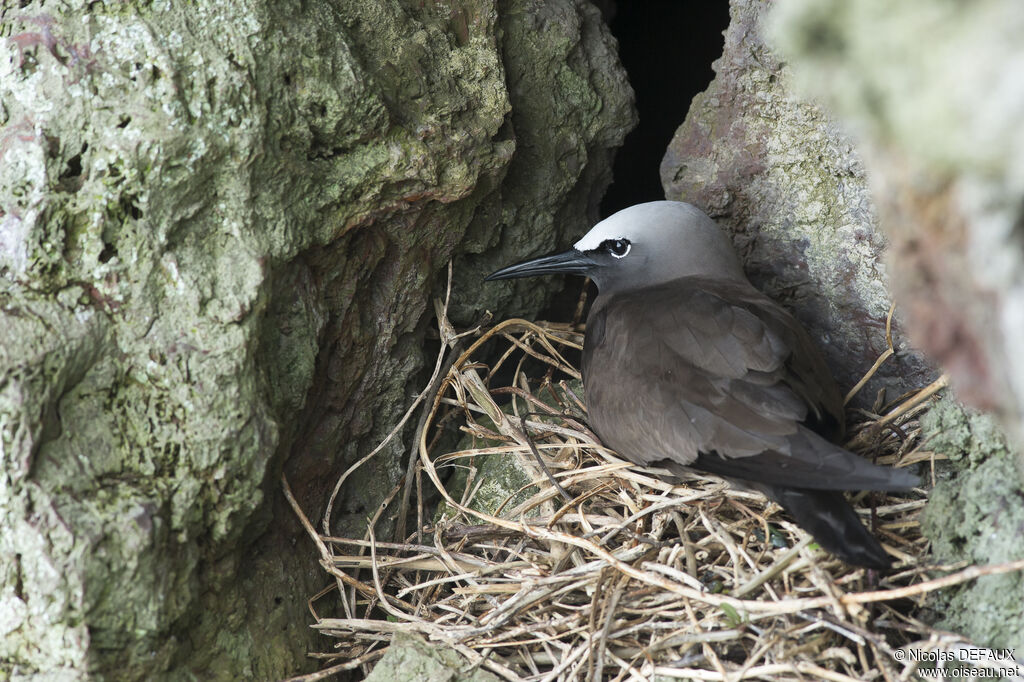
[[618, 248]]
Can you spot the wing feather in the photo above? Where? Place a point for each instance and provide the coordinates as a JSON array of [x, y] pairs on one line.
[[695, 367]]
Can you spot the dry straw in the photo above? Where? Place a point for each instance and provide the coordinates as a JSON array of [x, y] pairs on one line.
[[608, 572]]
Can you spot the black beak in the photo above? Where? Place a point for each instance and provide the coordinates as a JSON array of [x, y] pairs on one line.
[[571, 262]]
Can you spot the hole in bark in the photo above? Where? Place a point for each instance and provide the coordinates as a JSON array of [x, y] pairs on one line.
[[129, 204], [108, 252], [73, 168], [70, 180], [667, 48]]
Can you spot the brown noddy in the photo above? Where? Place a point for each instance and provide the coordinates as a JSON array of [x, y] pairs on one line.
[[686, 364]]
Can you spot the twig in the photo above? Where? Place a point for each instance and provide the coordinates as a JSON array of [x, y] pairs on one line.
[[922, 395], [888, 353]]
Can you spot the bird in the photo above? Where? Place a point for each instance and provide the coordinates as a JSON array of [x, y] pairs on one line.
[[686, 365]]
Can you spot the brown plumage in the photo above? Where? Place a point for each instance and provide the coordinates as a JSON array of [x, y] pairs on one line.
[[685, 364]]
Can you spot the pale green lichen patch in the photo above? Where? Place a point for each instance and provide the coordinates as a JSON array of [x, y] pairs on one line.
[[494, 484], [975, 514], [210, 212], [413, 658], [858, 57]]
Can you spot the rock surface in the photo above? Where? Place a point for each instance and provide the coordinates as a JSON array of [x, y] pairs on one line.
[[220, 229], [789, 185]]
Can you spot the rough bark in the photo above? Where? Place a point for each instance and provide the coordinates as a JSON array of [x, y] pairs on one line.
[[220, 229]]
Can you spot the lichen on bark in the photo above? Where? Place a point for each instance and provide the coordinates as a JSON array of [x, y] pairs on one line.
[[981, 483], [220, 229]]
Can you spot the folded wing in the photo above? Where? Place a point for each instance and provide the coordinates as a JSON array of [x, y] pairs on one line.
[[716, 376]]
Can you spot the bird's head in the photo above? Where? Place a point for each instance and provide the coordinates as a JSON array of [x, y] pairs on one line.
[[640, 246]]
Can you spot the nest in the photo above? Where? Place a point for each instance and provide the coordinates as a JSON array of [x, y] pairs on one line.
[[598, 570]]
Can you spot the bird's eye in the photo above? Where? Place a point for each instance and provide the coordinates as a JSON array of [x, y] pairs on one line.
[[616, 247]]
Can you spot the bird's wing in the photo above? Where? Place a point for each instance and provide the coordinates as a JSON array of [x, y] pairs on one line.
[[810, 462], [716, 370], [731, 329]]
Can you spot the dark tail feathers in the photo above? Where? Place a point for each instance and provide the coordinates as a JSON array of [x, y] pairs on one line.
[[827, 516]]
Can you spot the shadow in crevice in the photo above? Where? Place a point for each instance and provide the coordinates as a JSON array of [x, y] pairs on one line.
[[667, 47]]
